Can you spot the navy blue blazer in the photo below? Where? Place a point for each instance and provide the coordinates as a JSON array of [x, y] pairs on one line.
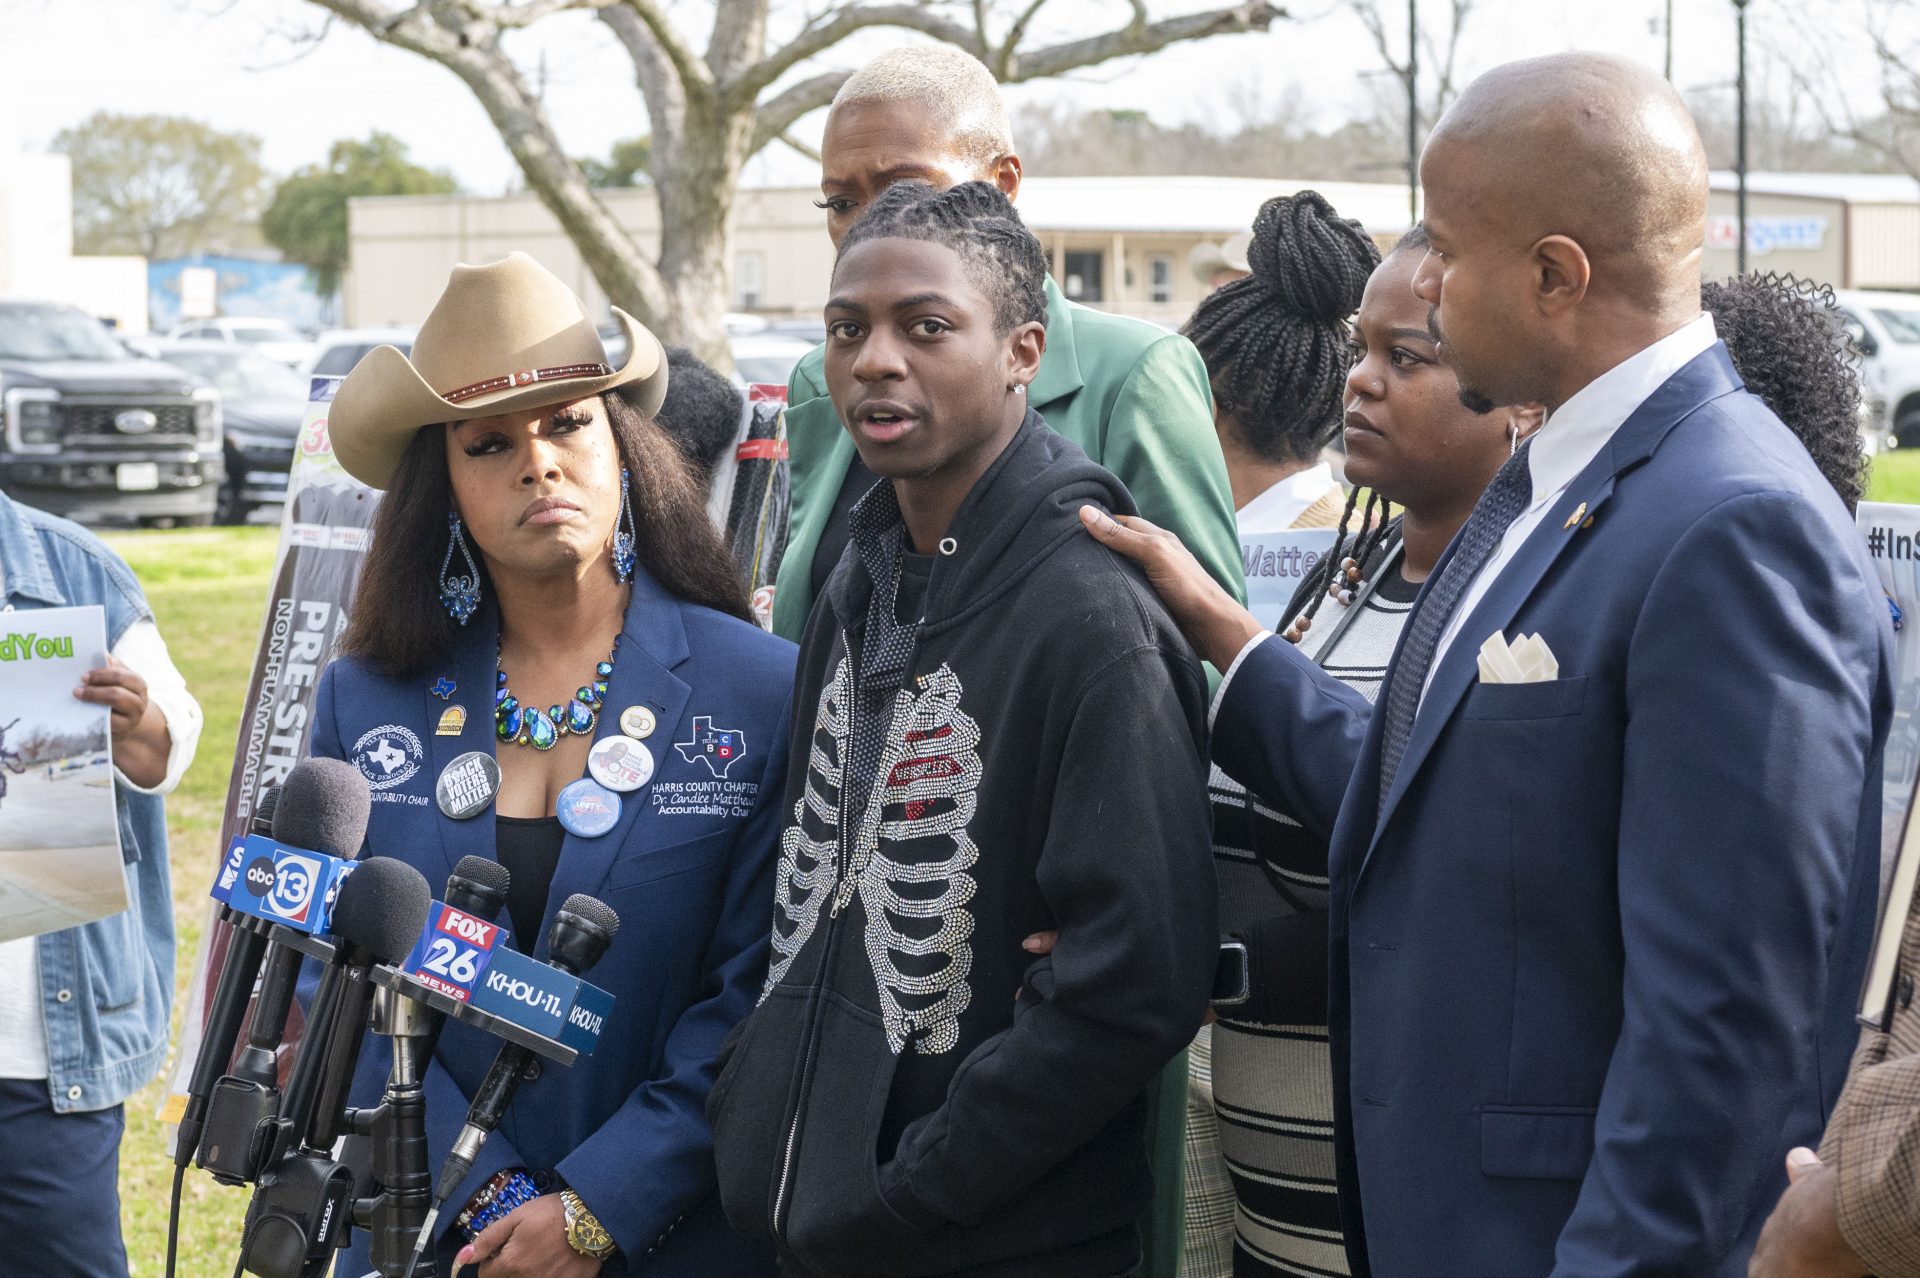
[[1594, 965], [689, 869]]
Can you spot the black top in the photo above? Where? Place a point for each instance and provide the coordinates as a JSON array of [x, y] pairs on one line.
[[833, 537], [530, 849], [914, 572]]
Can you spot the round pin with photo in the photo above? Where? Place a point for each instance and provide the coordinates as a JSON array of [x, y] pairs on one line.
[[588, 809], [620, 763]]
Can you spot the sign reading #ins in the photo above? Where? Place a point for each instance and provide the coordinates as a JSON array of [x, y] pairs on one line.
[[453, 952]]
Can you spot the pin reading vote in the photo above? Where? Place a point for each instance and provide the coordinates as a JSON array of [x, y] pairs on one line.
[[620, 763], [588, 808], [467, 785]]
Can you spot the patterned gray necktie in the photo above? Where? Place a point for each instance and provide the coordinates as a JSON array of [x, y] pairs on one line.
[[1497, 508]]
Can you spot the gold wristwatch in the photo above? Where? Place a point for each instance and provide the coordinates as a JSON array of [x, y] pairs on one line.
[[584, 1234]]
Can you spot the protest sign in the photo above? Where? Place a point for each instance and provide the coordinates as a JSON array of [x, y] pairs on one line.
[[1275, 564], [324, 533], [1893, 539]]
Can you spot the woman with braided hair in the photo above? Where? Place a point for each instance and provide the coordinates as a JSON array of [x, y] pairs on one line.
[[1275, 344], [1275, 347], [1418, 459]]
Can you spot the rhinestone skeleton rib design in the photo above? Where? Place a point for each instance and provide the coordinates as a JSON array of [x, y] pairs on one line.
[[918, 930]]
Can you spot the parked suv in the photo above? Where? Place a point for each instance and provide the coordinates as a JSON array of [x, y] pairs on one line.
[[1886, 329], [90, 431]]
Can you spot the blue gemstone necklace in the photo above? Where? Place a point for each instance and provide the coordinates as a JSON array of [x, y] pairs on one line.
[[516, 724]]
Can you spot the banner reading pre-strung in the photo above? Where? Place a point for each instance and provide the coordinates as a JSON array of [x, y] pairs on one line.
[[324, 533]]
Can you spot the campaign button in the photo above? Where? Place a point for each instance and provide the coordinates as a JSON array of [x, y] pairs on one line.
[[637, 722], [620, 764], [467, 785], [588, 809]]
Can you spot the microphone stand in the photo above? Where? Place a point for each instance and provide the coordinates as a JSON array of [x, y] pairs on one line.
[[394, 1214]]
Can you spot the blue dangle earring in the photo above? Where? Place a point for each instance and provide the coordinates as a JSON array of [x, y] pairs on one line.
[[460, 596], [624, 536]]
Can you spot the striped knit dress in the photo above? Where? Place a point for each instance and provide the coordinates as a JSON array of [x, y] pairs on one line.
[[1271, 1075]]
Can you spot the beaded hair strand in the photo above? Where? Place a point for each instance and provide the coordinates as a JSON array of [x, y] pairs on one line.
[[1339, 571]]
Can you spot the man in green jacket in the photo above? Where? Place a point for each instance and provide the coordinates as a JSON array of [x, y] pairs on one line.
[[1133, 395]]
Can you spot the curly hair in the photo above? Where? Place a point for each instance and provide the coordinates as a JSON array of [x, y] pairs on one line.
[[1275, 342], [1787, 342], [977, 221]]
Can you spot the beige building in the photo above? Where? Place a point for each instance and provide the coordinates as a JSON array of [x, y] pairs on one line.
[[1850, 230], [1121, 244], [1117, 243]]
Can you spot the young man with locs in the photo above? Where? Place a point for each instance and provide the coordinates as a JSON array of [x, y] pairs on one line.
[[1000, 731]]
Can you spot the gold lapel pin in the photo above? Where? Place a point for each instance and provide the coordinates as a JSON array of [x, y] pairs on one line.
[[1576, 516]]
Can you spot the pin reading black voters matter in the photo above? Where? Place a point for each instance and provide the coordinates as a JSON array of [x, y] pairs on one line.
[[620, 763], [467, 785]]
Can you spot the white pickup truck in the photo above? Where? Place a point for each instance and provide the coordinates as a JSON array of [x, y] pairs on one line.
[[1886, 328]]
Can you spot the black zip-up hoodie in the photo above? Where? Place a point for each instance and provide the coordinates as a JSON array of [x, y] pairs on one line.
[[890, 1108]]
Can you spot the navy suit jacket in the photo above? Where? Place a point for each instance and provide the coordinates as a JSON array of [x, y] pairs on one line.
[[1594, 964], [689, 870]]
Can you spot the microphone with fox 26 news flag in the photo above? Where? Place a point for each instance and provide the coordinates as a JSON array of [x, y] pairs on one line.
[[578, 938], [319, 821]]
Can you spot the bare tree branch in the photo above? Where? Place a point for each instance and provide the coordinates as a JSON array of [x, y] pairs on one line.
[[513, 17], [695, 76], [471, 51], [1003, 59], [1137, 38], [836, 25], [812, 153], [783, 110]]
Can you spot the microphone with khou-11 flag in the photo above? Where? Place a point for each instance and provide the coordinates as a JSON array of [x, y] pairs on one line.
[[458, 956]]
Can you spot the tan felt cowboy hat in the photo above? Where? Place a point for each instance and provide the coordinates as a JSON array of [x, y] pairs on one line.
[[505, 336]]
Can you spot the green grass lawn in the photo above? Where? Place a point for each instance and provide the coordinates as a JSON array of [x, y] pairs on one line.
[[1895, 477], [208, 590]]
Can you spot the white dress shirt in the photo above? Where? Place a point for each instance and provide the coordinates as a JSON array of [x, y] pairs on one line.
[[1571, 438], [23, 1032], [1562, 448], [1275, 509]]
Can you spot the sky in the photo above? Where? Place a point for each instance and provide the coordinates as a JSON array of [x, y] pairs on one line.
[[255, 65]]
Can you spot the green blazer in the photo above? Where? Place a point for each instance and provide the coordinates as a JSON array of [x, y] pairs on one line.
[[1133, 395]]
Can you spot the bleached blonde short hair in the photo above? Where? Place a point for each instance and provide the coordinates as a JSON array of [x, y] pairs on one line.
[[951, 84]]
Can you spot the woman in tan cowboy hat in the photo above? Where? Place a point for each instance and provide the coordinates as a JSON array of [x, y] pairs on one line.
[[543, 552]]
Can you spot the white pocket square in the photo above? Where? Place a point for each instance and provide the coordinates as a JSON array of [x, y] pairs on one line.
[[1526, 660]]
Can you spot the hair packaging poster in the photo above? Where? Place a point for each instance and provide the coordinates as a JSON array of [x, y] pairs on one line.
[[60, 854]]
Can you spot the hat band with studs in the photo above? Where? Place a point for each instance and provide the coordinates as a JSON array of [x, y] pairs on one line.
[[527, 377]]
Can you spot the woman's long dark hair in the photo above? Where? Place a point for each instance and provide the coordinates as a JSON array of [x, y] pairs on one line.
[[398, 626]]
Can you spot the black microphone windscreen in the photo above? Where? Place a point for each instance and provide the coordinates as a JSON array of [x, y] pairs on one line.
[[484, 873], [594, 911], [264, 807], [323, 807], [382, 907]]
